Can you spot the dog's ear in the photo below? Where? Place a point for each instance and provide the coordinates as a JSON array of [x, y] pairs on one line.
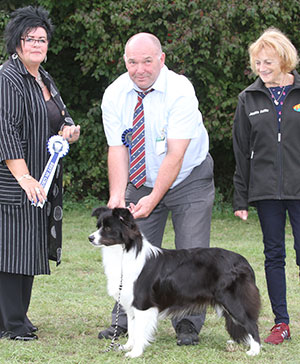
[[99, 211], [131, 233], [123, 214]]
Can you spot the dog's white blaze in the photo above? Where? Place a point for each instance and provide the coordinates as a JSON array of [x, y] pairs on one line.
[[96, 235], [254, 346]]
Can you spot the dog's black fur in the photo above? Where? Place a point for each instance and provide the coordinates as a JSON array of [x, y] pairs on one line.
[[180, 281]]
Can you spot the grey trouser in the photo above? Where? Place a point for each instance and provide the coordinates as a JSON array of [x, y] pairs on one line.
[[190, 204]]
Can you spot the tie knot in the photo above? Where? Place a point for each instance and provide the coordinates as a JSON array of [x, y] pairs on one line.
[[143, 94]]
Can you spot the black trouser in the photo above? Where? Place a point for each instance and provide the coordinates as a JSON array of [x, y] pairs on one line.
[[15, 294], [272, 217]]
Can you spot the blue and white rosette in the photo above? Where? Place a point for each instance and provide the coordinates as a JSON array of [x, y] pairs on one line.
[[127, 138], [58, 147]]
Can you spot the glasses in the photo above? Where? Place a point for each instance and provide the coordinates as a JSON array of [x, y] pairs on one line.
[[32, 41]]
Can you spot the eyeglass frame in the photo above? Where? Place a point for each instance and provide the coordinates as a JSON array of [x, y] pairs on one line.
[[32, 41]]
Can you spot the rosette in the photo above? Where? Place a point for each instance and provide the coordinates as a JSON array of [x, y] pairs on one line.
[[57, 144], [58, 147], [126, 137]]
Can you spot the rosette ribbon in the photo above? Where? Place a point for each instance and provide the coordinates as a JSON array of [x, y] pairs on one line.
[[58, 147], [126, 139]]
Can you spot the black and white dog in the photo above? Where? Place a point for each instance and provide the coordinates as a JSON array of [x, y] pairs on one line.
[[158, 282]]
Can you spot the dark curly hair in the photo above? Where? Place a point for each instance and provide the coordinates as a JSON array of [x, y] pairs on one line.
[[22, 21]]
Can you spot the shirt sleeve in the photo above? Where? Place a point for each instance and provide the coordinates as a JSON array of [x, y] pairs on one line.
[[11, 111], [112, 118], [184, 119]]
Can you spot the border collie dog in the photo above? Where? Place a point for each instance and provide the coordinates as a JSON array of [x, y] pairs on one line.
[[159, 282]]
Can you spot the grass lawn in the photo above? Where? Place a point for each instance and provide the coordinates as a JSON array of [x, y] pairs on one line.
[[71, 305]]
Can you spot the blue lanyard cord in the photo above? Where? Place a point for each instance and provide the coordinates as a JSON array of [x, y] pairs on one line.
[[278, 96]]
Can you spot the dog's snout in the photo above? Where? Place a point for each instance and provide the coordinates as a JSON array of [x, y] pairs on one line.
[[95, 238]]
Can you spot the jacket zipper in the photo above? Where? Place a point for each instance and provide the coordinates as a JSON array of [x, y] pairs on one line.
[[280, 165], [280, 158]]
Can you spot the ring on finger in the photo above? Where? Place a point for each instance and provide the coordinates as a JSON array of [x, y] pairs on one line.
[[37, 190]]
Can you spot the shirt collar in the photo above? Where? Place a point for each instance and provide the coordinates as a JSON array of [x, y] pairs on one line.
[[19, 65], [258, 84]]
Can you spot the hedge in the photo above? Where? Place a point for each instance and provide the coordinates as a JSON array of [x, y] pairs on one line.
[[205, 40]]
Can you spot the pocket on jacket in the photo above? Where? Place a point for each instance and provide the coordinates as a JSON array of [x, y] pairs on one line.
[[10, 191]]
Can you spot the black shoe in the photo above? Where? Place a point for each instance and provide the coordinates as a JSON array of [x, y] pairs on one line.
[[24, 337], [109, 333], [33, 329], [186, 333]]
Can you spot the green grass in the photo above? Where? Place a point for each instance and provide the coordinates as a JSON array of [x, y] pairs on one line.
[[71, 305]]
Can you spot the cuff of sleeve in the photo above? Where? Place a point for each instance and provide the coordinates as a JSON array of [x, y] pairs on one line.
[[16, 155]]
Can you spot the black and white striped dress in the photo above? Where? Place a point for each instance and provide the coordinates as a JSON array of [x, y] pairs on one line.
[[24, 131]]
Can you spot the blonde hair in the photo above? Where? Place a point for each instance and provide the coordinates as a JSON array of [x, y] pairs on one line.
[[273, 38]]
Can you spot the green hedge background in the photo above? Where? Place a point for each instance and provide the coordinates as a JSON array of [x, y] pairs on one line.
[[207, 40]]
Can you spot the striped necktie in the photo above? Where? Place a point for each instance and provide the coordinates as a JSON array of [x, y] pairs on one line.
[[137, 171]]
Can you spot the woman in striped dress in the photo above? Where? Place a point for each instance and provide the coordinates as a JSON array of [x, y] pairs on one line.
[[31, 110]]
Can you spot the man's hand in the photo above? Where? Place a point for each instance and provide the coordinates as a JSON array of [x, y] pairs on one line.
[[115, 202], [143, 208]]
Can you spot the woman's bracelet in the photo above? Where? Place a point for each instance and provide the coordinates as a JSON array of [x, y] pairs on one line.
[[27, 176]]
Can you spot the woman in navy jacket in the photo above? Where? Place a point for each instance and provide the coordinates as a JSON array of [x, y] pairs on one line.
[[266, 146], [31, 110]]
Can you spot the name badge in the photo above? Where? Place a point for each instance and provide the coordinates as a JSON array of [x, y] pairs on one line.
[[160, 145]]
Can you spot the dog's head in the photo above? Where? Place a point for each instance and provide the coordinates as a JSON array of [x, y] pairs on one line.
[[116, 226]]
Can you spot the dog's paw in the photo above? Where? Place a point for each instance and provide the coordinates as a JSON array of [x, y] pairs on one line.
[[254, 347], [134, 353], [253, 351], [127, 346]]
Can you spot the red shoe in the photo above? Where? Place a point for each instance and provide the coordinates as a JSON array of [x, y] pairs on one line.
[[279, 333]]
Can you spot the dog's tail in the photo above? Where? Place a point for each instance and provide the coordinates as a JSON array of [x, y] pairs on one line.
[[236, 331], [251, 300], [242, 318]]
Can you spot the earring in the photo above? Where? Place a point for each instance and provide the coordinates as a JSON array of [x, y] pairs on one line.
[[15, 56], [45, 59]]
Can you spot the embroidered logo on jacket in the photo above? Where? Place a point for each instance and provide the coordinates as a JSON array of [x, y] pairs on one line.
[[258, 112], [297, 108]]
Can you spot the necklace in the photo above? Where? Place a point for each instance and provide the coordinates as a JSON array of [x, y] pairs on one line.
[[276, 101], [40, 81]]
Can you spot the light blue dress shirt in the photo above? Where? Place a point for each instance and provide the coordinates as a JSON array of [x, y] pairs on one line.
[[171, 112]]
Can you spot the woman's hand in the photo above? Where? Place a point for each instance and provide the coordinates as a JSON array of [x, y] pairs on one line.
[[242, 214], [34, 190], [31, 186], [71, 133]]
